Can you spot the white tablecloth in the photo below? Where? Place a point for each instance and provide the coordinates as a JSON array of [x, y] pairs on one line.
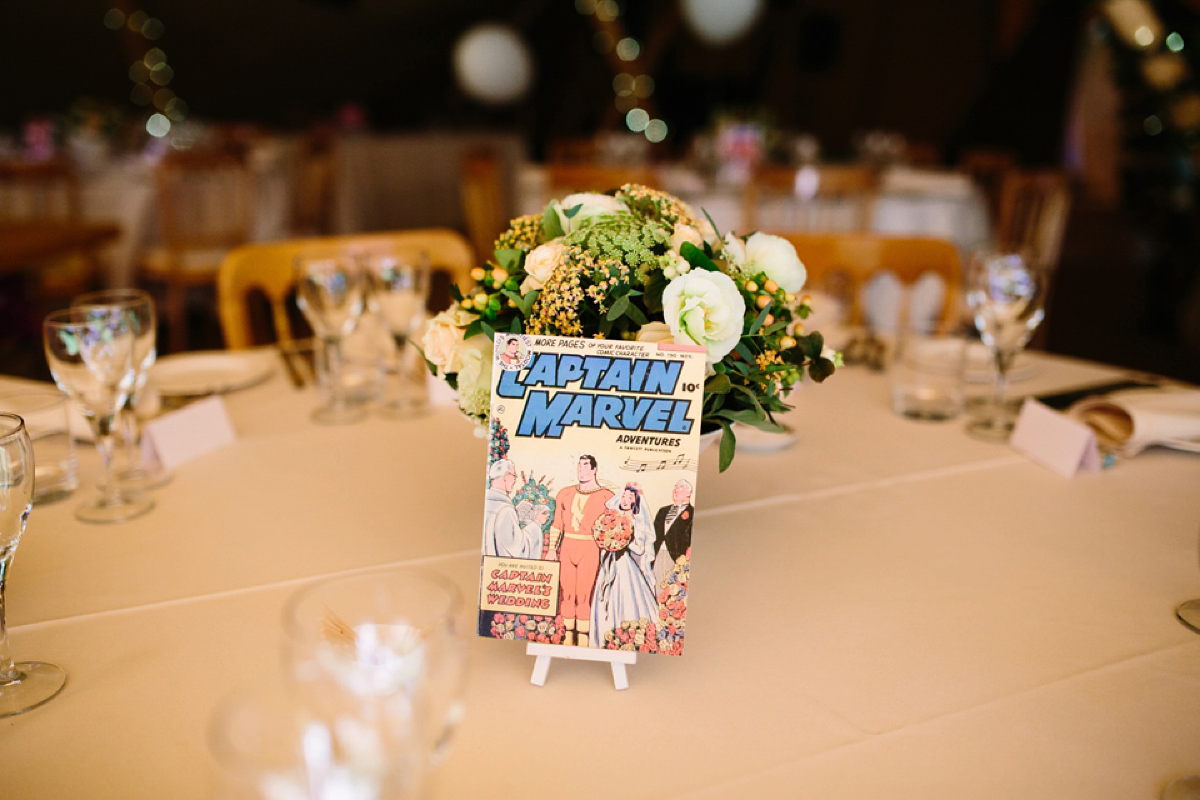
[[889, 608], [945, 208]]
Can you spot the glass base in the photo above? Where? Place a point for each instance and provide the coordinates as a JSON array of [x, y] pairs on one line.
[[1189, 614], [403, 407], [101, 512], [141, 479], [1185, 788], [339, 415], [991, 429], [37, 683]]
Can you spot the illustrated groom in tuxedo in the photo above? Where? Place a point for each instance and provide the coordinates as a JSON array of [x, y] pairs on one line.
[[673, 523]]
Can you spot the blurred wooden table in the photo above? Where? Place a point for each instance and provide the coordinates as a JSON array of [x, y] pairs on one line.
[[23, 244]]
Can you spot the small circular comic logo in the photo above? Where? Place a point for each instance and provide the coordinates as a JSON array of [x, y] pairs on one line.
[[512, 350]]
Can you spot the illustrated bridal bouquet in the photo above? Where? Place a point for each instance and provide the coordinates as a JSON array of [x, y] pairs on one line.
[[640, 265]]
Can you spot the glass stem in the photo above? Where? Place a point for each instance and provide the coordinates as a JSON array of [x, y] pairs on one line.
[[8, 672], [131, 431], [333, 364], [1000, 388], [401, 364], [103, 429]]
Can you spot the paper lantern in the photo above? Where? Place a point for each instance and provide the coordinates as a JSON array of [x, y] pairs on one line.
[[719, 22], [493, 64]]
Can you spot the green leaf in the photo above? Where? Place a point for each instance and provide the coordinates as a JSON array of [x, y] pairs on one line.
[[516, 298], [572, 211], [695, 256], [718, 384], [820, 369], [812, 344], [635, 314], [744, 352], [742, 367], [488, 329], [455, 292], [516, 326], [551, 225], [618, 308], [755, 420], [759, 320], [509, 259], [710, 222], [728, 446], [775, 327], [527, 302], [654, 293], [474, 329]]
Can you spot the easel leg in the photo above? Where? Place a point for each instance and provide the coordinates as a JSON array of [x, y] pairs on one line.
[[618, 671], [541, 666]]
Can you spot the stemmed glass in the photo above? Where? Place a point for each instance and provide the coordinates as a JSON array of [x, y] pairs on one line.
[[399, 281], [90, 350], [1188, 786], [141, 473], [30, 683], [389, 638], [330, 290], [1005, 292]]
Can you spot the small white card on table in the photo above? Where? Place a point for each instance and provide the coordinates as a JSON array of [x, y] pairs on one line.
[[1054, 440], [190, 432]]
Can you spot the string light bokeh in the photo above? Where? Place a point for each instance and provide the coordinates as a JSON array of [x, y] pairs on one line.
[[151, 75]]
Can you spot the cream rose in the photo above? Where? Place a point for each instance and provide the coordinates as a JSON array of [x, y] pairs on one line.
[[655, 332], [540, 264], [772, 255], [443, 338], [685, 233], [475, 375], [590, 205], [706, 308]]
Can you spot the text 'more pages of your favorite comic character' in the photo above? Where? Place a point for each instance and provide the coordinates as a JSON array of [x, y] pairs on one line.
[[593, 450]]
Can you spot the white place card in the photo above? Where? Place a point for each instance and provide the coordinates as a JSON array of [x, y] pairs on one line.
[[190, 432], [1054, 440]]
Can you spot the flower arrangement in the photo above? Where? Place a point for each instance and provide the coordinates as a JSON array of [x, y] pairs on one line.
[[497, 441], [612, 531], [639, 264], [537, 492], [528, 628]]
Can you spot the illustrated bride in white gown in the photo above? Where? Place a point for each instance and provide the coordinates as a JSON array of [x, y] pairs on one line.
[[625, 583]]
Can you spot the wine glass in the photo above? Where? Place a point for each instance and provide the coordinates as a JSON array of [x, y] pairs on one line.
[[1186, 787], [330, 290], [141, 470], [30, 683], [1005, 292], [399, 281], [387, 637], [90, 350]]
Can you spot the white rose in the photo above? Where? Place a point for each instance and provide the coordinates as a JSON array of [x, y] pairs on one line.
[[590, 205], [475, 375], [735, 251], [707, 231], [540, 264], [776, 257], [655, 332], [443, 337], [706, 308]]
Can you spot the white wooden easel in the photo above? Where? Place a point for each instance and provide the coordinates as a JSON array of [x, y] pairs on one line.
[[617, 659]]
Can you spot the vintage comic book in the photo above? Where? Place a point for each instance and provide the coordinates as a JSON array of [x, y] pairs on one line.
[[591, 492]]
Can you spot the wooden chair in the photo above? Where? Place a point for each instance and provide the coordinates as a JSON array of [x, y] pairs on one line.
[[205, 207], [269, 268], [483, 201], [47, 194], [313, 180], [987, 168], [843, 263], [830, 197], [1033, 213]]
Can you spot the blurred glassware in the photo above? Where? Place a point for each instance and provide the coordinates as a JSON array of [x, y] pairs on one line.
[[399, 290], [330, 290], [927, 375], [27, 684], [388, 637], [45, 411], [268, 746], [139, 469], [90, 350], [1005, 292]]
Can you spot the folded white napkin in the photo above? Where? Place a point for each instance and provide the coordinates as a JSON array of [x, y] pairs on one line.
[[906, 180], [1137, 418]]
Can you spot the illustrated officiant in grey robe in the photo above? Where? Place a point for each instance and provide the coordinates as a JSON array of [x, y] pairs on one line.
[[502, 532]]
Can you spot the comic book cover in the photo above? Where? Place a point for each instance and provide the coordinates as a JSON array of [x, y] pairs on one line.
[[591, 492]]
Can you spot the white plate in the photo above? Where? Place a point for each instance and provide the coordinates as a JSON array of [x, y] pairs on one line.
[[980, 370], [211, 372]]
